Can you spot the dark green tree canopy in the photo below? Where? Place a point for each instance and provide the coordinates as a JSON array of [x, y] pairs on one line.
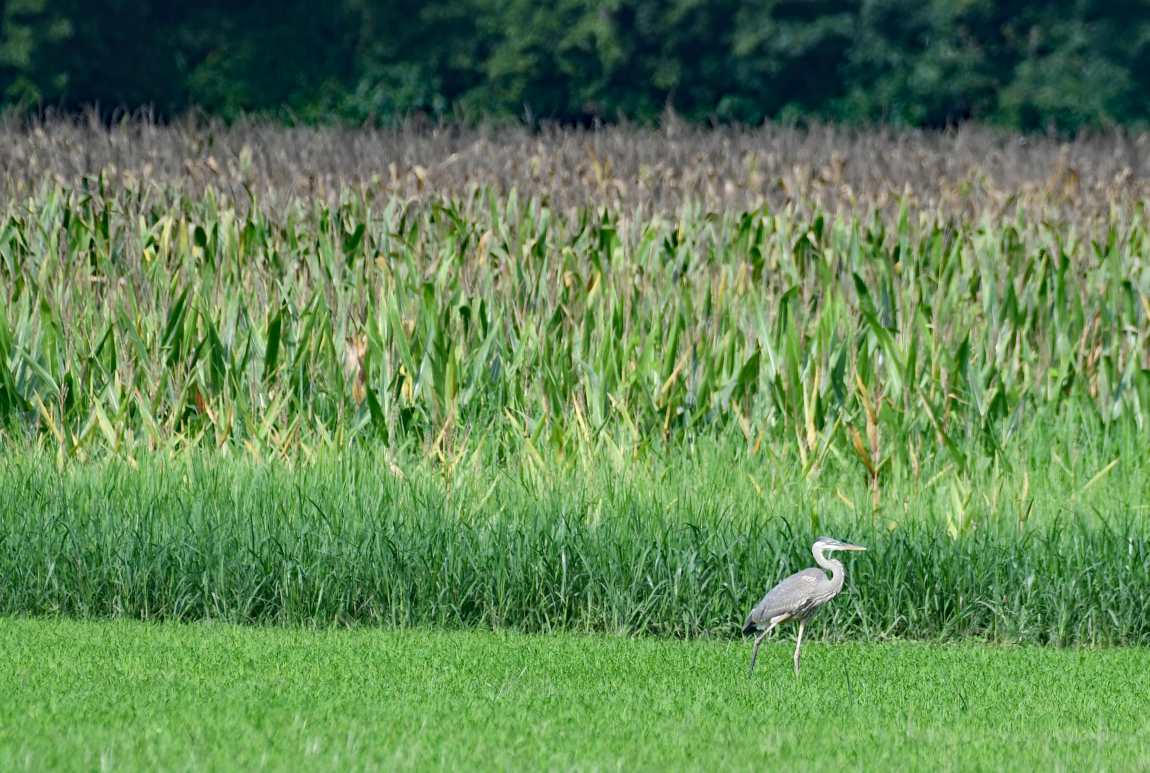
[[1032, 65]]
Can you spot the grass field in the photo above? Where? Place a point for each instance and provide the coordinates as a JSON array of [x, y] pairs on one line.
[[469, 402], [130, 696]]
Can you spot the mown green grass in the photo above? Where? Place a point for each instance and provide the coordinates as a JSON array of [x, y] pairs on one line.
[[130, 696]]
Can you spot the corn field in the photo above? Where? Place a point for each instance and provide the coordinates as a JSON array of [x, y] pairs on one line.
[[145, 315]]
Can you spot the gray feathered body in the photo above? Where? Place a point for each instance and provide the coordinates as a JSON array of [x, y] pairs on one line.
[[798, 596]]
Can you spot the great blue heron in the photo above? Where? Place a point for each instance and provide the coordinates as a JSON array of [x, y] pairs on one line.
[[799, 596]]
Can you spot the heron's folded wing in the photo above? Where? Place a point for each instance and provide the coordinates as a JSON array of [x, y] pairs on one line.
[[792, 596]]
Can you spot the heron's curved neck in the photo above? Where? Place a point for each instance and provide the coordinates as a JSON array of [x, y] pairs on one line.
[[834, 566]]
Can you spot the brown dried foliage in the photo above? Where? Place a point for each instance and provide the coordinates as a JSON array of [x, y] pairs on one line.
[[965, 173]]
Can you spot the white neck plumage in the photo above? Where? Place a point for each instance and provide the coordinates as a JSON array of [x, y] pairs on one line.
[[832, 565]]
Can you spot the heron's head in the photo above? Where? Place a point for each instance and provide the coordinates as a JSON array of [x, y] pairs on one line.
[[830, 544]]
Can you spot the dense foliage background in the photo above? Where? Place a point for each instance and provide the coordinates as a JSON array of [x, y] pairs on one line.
[[1064, 64]]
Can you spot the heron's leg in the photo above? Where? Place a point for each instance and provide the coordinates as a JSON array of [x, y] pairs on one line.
[[798, 645], [755, 650], [759, 640]]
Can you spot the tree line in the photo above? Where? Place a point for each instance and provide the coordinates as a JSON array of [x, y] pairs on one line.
[[1063, 64]]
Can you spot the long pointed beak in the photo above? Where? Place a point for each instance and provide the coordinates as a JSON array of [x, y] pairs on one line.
[[853, 548]]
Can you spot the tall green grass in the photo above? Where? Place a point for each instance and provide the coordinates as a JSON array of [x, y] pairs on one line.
[[677, 546]]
